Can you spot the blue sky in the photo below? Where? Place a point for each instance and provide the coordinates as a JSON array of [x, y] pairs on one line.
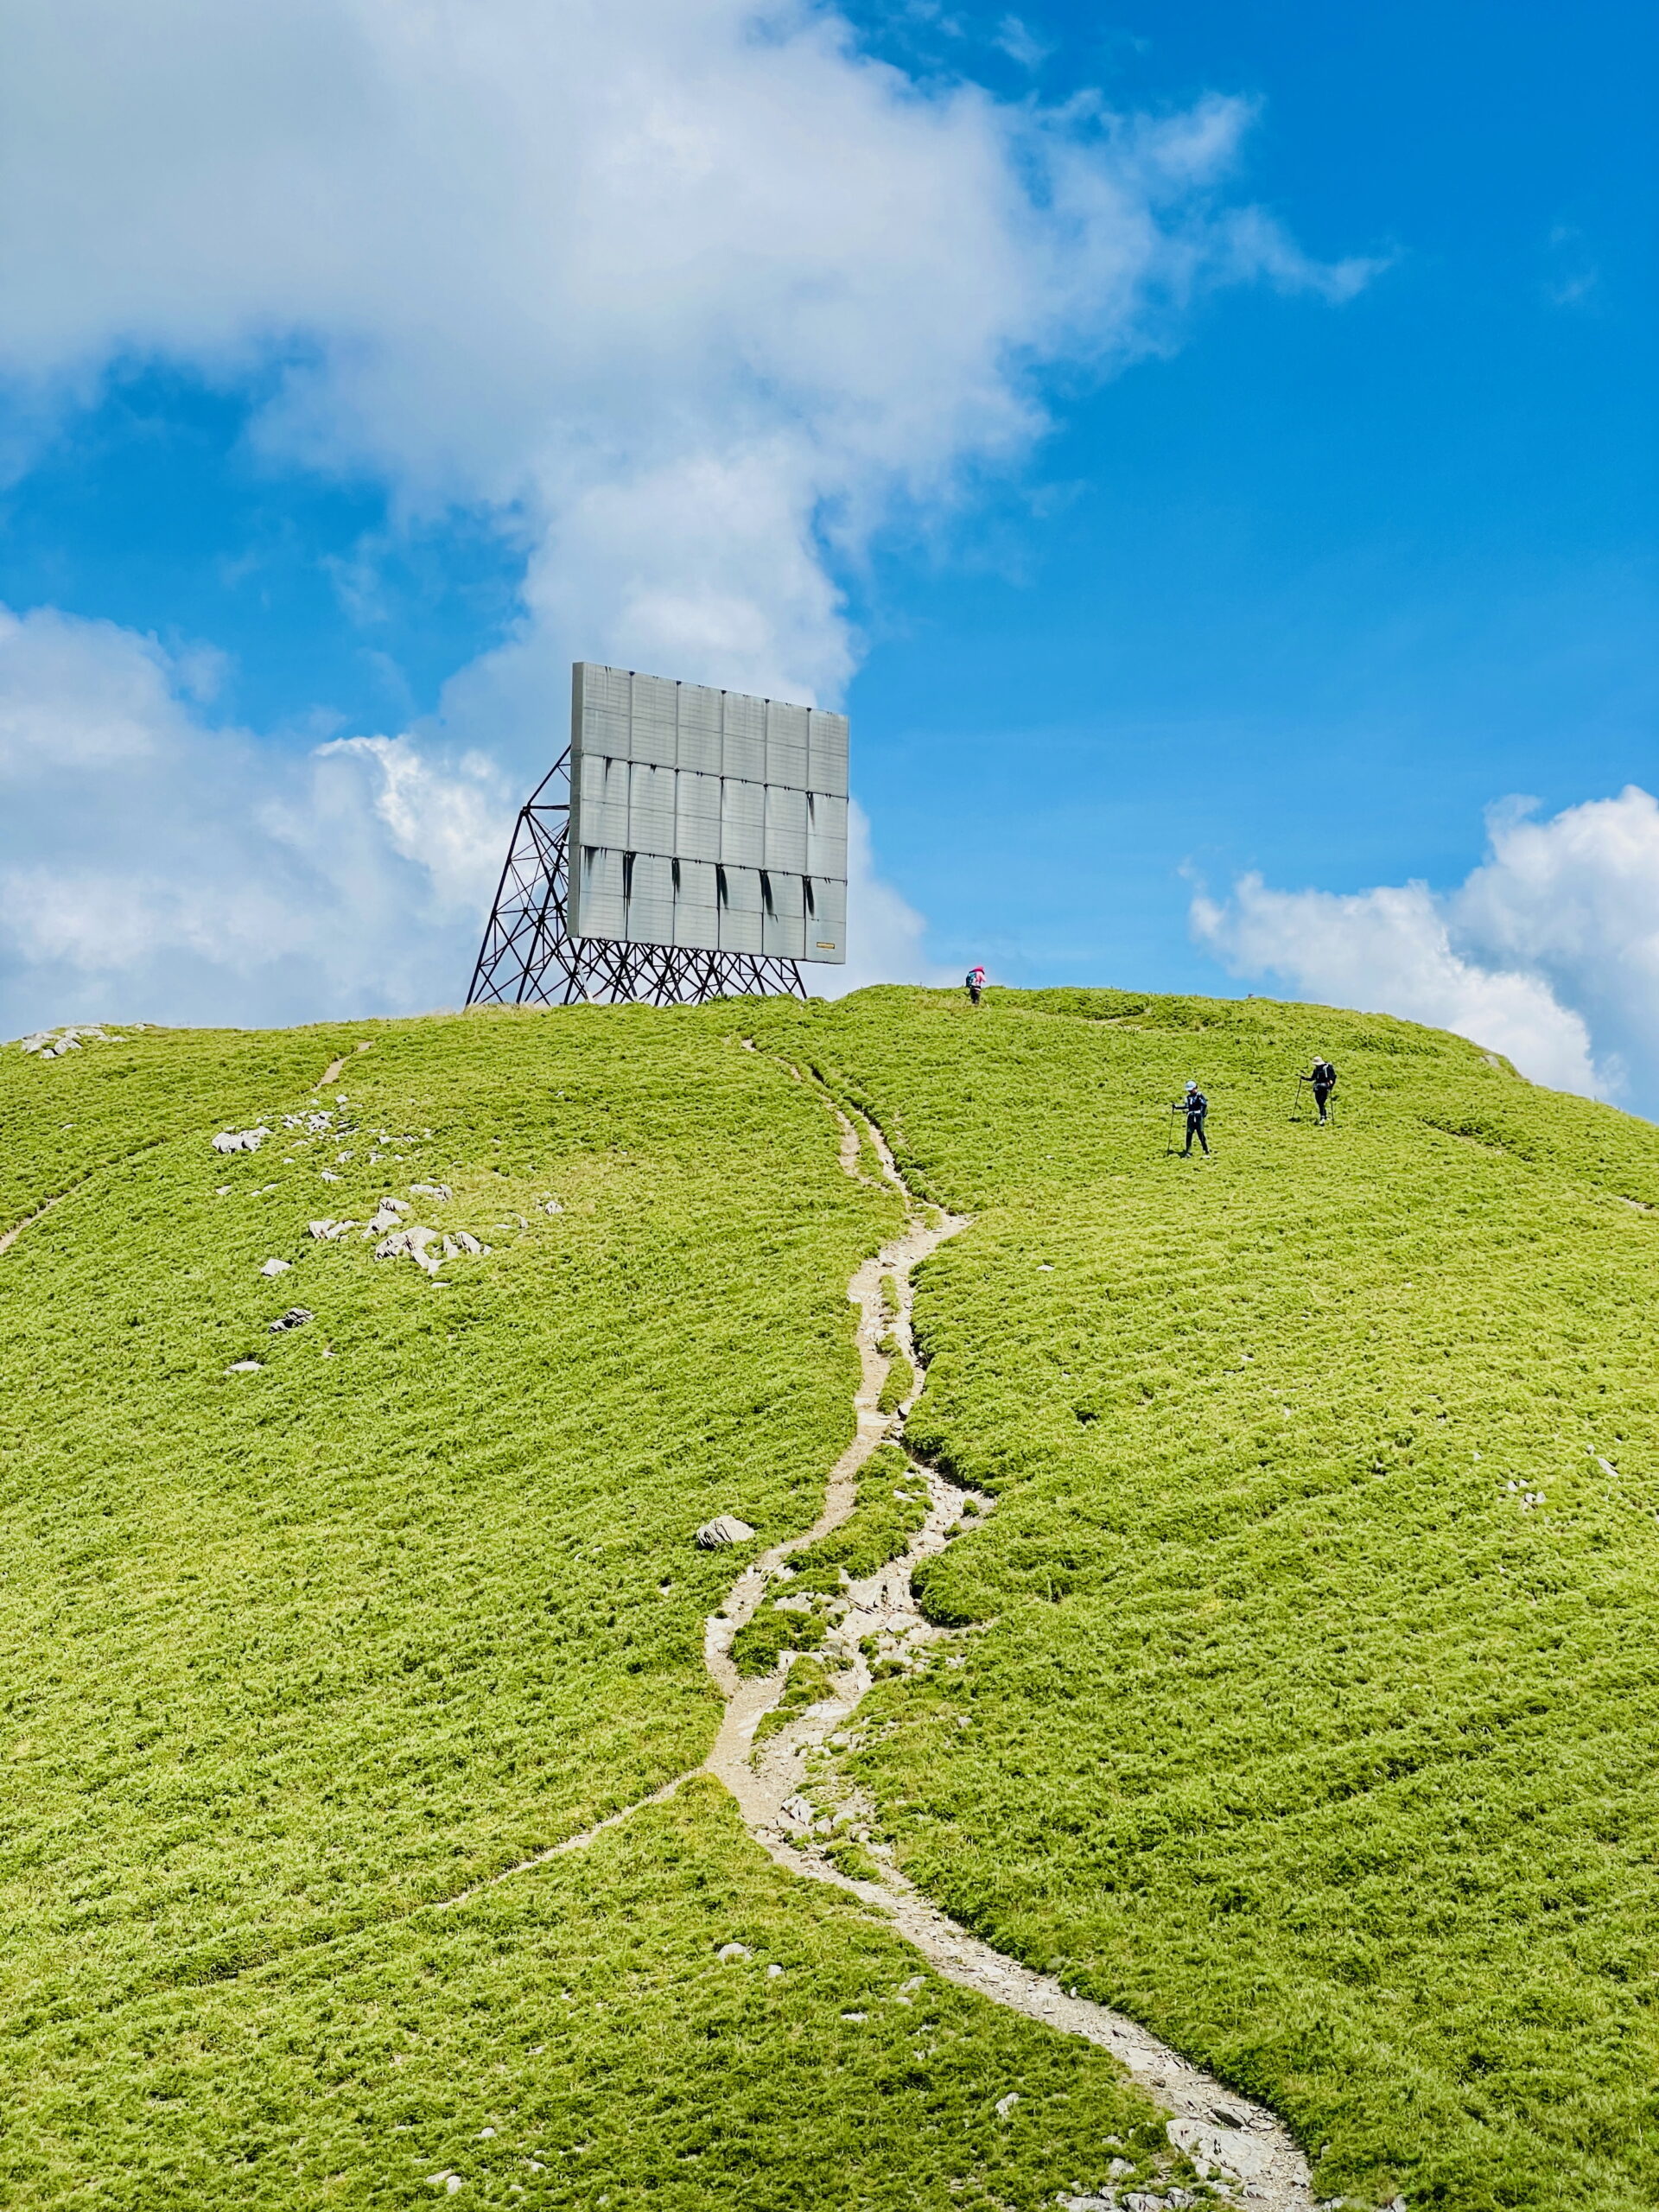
[[1246, 574], [1318, 587]]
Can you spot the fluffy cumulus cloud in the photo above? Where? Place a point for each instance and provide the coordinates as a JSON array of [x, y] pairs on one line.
[[143, 846], [695, 292], [1549, 951]]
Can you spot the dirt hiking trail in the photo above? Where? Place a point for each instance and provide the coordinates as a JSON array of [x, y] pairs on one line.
[[796, 1807]]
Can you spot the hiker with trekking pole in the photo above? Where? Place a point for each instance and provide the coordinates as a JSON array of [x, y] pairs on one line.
[[1324, 1082], [974, 983], [1194, 1105]]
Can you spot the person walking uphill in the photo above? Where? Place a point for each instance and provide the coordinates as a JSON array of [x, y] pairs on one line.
[[1196, 1106], [1323, 1080], [975, 983]]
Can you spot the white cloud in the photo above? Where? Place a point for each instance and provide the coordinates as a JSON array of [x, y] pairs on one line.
[[690, 281], [1020, 44], [1549, 952], [158, 865], [692, 294]]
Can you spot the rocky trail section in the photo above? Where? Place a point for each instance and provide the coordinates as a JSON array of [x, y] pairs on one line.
[[800, 1811]]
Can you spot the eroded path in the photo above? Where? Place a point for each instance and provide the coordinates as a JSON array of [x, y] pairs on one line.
[[797, 1808]]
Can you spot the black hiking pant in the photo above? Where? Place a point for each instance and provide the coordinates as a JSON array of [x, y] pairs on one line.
[[1195, 1129], [973, 994], [1321, 1092]]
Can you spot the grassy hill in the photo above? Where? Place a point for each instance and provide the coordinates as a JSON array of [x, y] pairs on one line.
[[1313, 1718]]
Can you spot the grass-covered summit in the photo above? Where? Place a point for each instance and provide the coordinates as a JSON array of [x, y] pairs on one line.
[[1310, 1717]]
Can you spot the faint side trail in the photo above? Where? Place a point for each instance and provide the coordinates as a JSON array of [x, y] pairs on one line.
[[794, 1805], [8, 1237], [332, 1072], [29, 1219]]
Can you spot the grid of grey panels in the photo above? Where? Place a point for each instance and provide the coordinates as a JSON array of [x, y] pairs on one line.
[[706, 819]]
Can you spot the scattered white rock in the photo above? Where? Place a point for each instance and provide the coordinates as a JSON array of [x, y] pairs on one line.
[[725, 1529], [430, 1189], [857, 2018], [797, 1811], [295, 1318], [774, 1971], [240, 1139], [462, 1241], [484, 2133], [328, 1175], [245, 1366], [52, 1044], [328, 1232], [1236, 2149], [409, 1243], [1005, 2104], [276, 1266], [730, 1954]]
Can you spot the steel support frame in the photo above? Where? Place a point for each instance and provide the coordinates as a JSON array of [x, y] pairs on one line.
[[527, 959]]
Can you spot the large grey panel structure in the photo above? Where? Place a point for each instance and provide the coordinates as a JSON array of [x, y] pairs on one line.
[[703, 818], [689, 844]]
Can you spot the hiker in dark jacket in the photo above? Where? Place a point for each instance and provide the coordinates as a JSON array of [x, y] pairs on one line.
[[1323, 1080], [1196, 1106]]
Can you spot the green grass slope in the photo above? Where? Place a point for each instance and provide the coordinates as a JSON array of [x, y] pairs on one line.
[[1315, 1715], [1311, 1714], [291, 1658]]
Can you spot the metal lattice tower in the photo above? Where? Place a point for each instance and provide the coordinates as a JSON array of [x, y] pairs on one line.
[[528, 959]]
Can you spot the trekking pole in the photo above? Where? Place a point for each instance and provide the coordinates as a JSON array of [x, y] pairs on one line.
[[1296, 1098], [1169, 1141]]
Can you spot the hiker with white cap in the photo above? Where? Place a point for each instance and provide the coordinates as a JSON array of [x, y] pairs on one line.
[[1323, 1080], [1196, 1106]]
